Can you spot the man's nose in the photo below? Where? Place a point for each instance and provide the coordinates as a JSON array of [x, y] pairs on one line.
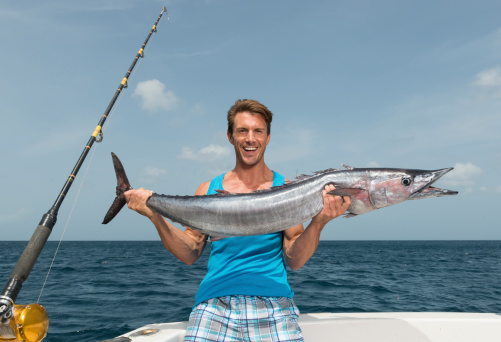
[[250, 136]]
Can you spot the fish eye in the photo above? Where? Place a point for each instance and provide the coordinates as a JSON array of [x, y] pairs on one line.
[[406, 181]]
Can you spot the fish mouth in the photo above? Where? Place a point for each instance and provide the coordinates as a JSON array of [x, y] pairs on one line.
[[429, 191]]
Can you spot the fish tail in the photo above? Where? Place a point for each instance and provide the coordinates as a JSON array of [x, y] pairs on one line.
[[123, 185]]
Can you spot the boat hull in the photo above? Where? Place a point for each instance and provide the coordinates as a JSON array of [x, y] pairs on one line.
[[347, 327]]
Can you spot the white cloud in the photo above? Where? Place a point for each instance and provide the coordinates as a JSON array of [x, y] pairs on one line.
[[198, 110], [498, 189], [151, 171], [154, 97], [210, 152], [293, 142], [15, 215], [373, 164], [489, 78], [56, 142], [206, 52], [463, 175], [149, 174]]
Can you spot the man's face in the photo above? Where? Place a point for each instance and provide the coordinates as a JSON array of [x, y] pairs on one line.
[[250, 137]]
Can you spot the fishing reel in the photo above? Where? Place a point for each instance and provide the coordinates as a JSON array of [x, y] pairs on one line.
[[23, 323]]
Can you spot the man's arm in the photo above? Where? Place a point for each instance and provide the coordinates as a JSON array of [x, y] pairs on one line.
[[300, 244], [187, 246]]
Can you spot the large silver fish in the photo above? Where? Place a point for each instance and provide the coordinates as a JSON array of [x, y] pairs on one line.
[[282, 207]]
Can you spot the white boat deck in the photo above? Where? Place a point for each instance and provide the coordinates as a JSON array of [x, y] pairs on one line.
[[378, 327]]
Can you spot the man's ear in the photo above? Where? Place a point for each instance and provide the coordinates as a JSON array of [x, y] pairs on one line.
[[230, 137]]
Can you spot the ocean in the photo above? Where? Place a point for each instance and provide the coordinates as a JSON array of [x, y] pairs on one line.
[[100, 290]]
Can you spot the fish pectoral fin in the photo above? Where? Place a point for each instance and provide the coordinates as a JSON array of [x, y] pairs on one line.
[[346, 191]]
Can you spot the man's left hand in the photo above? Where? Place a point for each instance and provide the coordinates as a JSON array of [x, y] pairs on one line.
[[334, 206]]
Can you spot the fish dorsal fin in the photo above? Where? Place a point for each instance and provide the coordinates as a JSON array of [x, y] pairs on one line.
[[269, 189], [224, 192], [348, 167], [304, 177], [326, 171]]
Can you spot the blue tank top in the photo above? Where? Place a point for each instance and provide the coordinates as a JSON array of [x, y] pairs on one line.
[[248, 265]]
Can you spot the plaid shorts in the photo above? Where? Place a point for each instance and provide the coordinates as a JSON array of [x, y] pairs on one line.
[[244, 318]]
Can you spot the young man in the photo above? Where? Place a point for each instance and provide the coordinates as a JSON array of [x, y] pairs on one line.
[[245, 294]]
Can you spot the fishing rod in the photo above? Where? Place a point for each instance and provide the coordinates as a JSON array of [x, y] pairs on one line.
[[30, 322]]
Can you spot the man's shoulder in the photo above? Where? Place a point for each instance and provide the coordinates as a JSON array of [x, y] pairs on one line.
[[203, 188]]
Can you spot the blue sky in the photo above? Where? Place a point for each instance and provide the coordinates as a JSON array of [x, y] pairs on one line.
[[364, 83]]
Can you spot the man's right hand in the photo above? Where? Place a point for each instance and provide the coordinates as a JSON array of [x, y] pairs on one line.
[[136, 200]]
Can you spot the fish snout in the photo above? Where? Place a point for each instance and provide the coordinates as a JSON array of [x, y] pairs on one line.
[[428, 191]]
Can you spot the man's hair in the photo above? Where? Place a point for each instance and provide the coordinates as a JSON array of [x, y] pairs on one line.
[[251, 106]]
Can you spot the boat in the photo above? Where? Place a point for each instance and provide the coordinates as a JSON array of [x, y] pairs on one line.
[[372, 326]]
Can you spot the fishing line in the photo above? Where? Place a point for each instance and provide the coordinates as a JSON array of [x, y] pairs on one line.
[[67, 222], [110, 124]]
